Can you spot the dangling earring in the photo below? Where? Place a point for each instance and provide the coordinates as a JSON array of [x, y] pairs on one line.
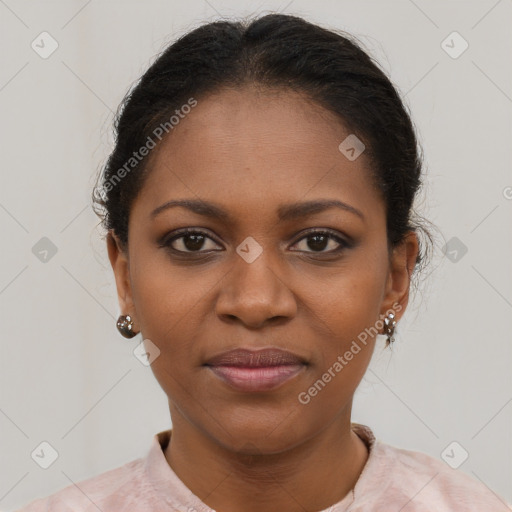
[[125, 326], [389, 328]]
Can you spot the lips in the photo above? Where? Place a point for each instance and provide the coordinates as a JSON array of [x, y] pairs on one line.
[[256, 370], [256, 358]]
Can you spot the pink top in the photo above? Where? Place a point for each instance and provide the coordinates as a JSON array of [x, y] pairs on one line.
[[393, 479]]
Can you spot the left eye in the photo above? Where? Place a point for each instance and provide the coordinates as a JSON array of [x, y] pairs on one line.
[[319, 240]]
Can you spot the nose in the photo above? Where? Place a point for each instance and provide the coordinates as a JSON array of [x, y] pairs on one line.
[[254, 294]]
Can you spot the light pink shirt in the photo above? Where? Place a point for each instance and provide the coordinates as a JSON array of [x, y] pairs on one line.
[[392, 480]]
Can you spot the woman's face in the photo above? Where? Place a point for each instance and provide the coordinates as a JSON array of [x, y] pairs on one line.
[[256, 278]]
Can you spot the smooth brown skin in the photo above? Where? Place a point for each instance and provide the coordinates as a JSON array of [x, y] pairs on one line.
[[250, 151]]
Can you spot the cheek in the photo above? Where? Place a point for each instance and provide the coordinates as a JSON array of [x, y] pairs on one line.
[[167, 303], [345, 317], [349, 299], [167, 311], [354, 303], [345, 321], [173, 305], [163, 293]]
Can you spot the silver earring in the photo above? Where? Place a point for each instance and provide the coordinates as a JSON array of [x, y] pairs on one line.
[[389, 328], [125, 326]]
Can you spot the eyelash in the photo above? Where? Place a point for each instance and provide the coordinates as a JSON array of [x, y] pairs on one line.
[[181, 233]]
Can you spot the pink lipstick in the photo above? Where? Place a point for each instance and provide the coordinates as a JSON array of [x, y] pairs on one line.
[[261, 370]]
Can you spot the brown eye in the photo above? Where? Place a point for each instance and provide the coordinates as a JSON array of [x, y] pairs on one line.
[[318, 241], [189, 241]]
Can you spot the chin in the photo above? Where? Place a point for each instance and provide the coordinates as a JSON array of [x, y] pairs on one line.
[[251, 436]]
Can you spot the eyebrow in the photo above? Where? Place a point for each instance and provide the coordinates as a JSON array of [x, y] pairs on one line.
[[284, 212]]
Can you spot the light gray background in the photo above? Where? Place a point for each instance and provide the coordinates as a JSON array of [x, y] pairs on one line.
[[67, 377]]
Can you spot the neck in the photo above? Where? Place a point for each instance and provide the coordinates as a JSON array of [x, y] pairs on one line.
[[312, 475]]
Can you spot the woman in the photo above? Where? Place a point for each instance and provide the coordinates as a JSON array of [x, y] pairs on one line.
[[258, 207]]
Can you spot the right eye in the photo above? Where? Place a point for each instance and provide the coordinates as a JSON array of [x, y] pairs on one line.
[[187, 241]]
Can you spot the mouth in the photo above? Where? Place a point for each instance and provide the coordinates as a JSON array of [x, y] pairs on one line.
[[252, 371]]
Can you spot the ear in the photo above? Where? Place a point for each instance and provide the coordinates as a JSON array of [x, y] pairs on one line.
[[402, 262], [118, 257]]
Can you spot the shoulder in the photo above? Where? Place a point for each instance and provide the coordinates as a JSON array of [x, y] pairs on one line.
[[111, 490], [420, 482]]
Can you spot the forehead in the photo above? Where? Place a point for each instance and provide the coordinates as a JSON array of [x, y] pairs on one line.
[[239, 147]]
